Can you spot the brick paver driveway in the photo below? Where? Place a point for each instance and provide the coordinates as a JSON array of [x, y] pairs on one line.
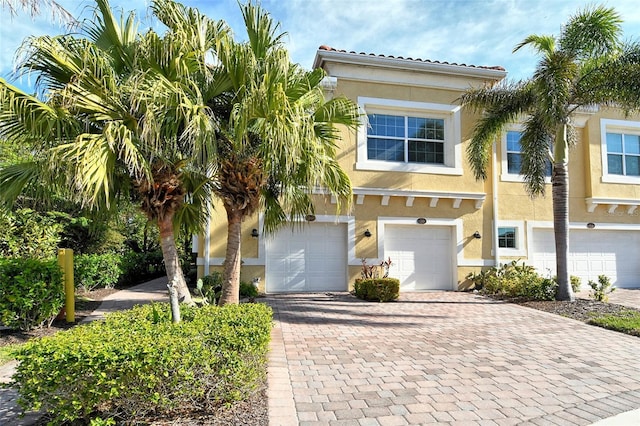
[[445, 357]]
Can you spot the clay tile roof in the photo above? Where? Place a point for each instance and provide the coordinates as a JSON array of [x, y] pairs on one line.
[[332, 49]]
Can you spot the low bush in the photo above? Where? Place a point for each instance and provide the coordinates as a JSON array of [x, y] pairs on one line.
[[248, 290], [576, 283], [140, 267], [209, 287], [31, 294], [28, 233], [138, 362], [377, 289], [513, 280], [600, 290], [91, 271]]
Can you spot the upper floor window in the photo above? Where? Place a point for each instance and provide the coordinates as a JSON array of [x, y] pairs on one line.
[[406, 139], [620, 151], [514, 156], [408, 136], [512, 159], [623, 154]]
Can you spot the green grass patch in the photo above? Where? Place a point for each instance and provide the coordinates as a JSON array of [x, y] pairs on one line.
[[627, 321], [8, 353]]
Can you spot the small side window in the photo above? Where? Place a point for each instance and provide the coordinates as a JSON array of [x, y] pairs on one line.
[[507, 237]]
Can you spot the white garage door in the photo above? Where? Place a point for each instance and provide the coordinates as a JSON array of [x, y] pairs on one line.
[[308, 259], [592, 252], [422, 256]]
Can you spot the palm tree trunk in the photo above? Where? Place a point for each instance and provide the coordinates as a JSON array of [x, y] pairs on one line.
[[560, 192], [178, 289], [233, 258]]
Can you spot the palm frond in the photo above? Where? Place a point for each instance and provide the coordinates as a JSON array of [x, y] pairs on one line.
[[535, 144], [592, 32], [553, 83], [24, 117], [14, 179], [614, 82], [34, 7], [261, 29], [500, 105], [543, 44]]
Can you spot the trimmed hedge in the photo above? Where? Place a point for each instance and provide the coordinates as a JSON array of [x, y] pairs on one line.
[[377, 289], [91, 271], [140, 267], [138, 362], [31, 292]]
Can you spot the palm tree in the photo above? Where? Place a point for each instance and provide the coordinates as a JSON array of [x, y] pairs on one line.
[[278, 141], [587, 64], [120, 114]]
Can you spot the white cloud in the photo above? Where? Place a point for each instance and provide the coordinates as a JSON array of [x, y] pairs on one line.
[[478, 32]]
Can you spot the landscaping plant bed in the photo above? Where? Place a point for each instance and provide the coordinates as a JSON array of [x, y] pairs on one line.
[[251, 411], [86, 303], [581, 310]]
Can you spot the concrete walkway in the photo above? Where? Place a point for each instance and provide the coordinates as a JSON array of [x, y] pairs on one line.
[[447, 358]]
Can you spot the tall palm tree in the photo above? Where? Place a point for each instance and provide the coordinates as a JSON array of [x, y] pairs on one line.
[[120, 113], [278, 141], [587, 64]]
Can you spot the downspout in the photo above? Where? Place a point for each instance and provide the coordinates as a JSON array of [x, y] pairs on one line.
[[494, 189]]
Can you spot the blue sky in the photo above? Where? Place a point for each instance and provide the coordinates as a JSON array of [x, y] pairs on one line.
[[478, 32]]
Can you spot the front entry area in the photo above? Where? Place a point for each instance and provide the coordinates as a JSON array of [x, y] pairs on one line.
[[422, 256]]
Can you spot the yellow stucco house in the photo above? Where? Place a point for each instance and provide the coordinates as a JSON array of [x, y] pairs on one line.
[[417, 202]]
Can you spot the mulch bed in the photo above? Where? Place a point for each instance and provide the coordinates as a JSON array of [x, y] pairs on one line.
[[581, 310]]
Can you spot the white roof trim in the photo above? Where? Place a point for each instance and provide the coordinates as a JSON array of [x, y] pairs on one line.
[[405, 64]]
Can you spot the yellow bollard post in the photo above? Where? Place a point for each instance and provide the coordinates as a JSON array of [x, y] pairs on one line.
[[65, 260]]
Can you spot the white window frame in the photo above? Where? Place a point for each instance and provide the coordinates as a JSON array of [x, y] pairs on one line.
[[616, 126], [452, 143], [505, 176], [521, 249]]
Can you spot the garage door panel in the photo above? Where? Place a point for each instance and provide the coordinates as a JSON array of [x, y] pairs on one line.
[[592, 253], [308, 259], [421, 256]]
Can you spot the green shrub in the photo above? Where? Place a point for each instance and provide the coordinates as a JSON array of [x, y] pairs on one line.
[[138, 361], [140, 267], [31, 294], [576, 283], [91, 271], [248, 290], [28, 233], [513, 280], [480, 279], [600, 290], [377, 289], [207, 285]]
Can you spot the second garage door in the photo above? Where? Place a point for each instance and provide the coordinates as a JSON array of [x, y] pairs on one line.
[[592, 253], [422, 256], [308, 259]]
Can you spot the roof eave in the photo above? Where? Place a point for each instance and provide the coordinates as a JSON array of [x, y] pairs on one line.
[[323, 56]]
